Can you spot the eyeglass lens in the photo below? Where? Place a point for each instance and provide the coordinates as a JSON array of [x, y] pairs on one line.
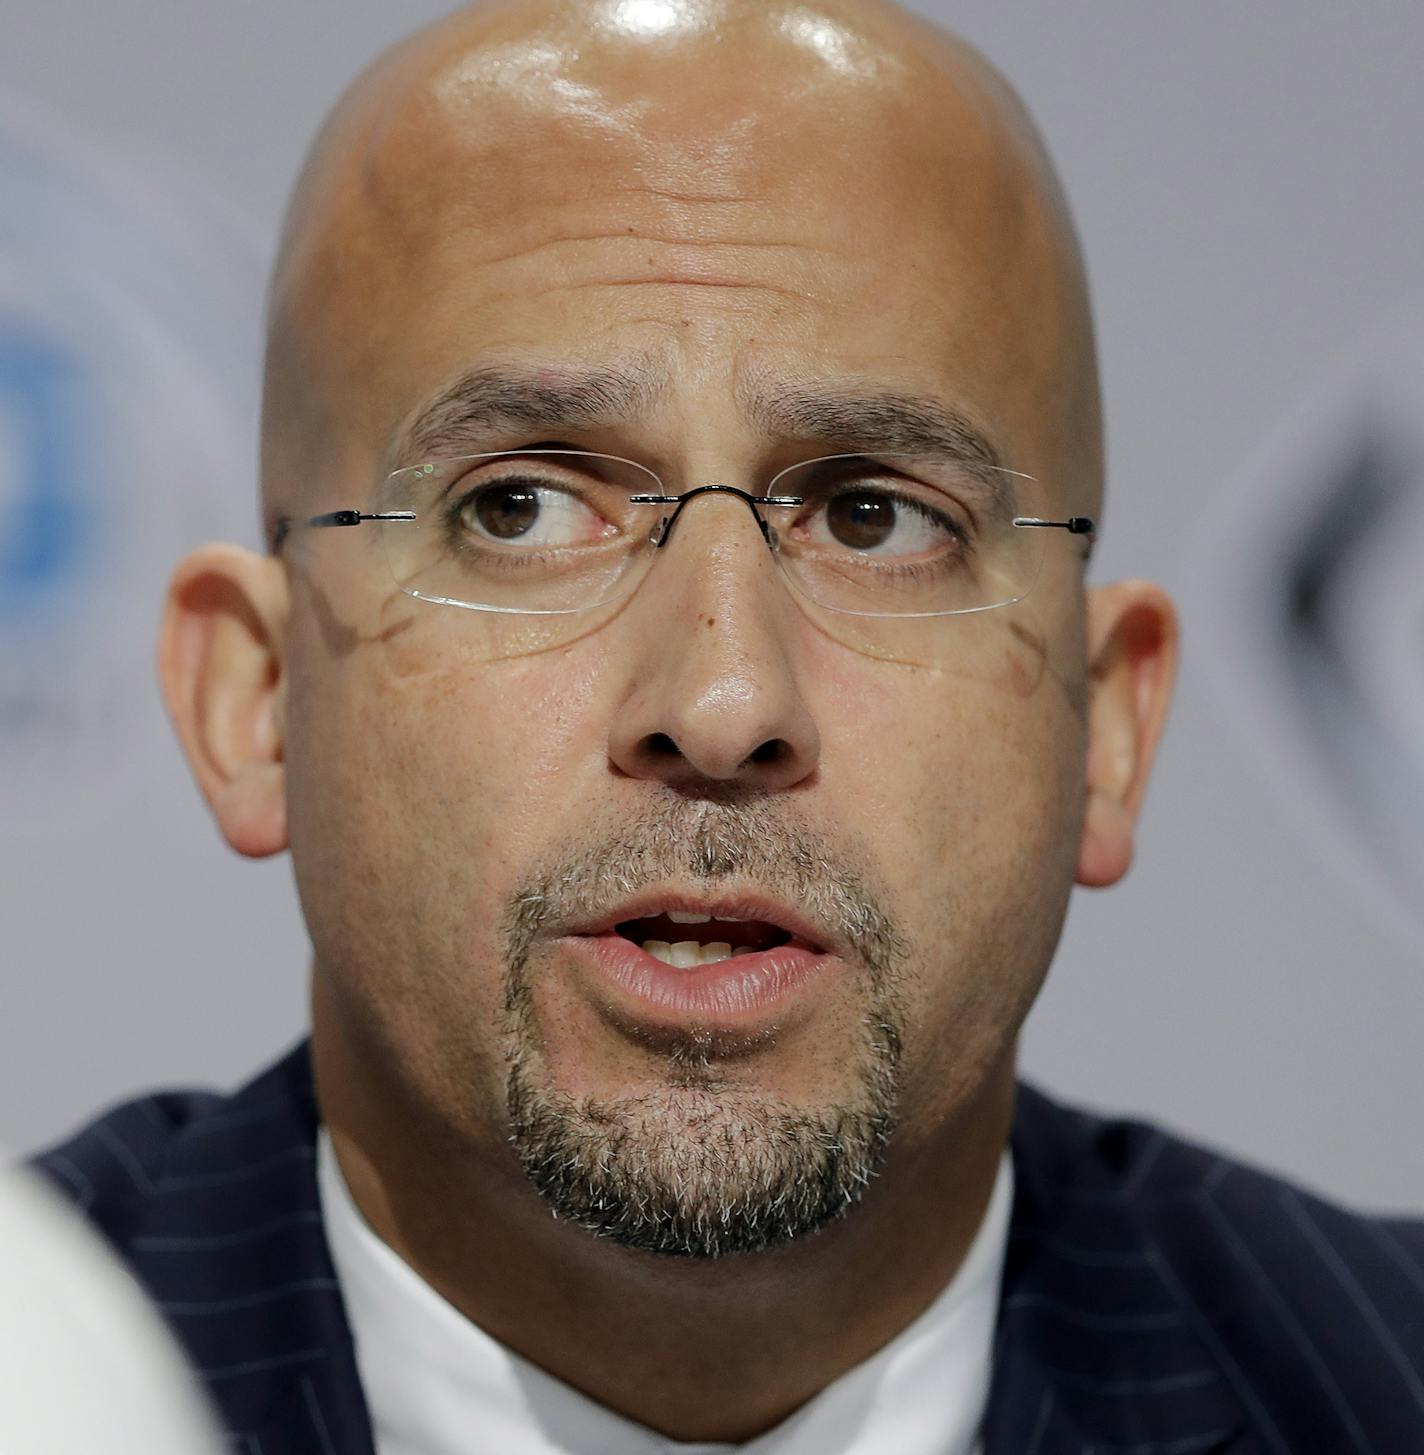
[[553, 532]]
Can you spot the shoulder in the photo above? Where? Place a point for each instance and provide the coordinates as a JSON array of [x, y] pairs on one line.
[[212, 1203], [1150, 1172], [117, 1167], [1304, 1299]]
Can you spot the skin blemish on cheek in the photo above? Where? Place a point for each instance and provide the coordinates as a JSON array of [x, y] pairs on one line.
[[1023, 670], [339, 636], [711, 621], [1023, 678]]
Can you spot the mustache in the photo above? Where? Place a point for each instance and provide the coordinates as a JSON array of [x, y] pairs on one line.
[[751, 840]]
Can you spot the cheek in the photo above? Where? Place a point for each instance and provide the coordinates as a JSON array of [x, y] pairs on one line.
[[961, 766], [472, 747], [968, 783], [417, 802]]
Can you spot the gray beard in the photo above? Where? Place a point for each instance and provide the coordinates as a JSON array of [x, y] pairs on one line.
[[698, 1168]]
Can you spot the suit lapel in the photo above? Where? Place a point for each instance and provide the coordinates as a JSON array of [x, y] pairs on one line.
[[1094, 1350]]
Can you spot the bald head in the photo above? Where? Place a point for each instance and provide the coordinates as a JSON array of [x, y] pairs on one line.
[[552, 260], [541, 156]]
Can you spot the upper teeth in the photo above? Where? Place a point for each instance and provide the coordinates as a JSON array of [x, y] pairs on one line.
[[694, 917], [687, 953]]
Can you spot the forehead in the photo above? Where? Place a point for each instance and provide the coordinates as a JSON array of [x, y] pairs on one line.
[[742, 215]]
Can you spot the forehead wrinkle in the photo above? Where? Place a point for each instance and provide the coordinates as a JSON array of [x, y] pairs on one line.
[[644, 240]]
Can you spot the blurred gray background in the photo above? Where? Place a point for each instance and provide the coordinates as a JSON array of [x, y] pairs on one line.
[[1247, 180]]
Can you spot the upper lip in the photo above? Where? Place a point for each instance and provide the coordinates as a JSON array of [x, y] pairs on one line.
[[747, 906]]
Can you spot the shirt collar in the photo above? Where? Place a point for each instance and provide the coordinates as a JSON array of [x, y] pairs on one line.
[[431, 1376]]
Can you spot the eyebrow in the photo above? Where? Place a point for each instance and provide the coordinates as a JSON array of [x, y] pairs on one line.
[[871, 421], [491, 397], [849, 420]]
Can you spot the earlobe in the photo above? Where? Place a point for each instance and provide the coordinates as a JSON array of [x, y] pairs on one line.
[[1132, 662], [1105, 852], [220, 660]]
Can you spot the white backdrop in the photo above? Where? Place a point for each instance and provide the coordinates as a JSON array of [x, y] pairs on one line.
[[1248, 185]]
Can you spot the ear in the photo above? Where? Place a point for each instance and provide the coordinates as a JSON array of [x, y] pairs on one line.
[[220, 665], [1132, 662]]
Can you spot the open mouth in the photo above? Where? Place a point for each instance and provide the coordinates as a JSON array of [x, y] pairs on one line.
[[687, 939]]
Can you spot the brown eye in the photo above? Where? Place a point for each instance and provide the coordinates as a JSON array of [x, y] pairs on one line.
[[860, 519], [865, 521], [506, 514], [524, 514]]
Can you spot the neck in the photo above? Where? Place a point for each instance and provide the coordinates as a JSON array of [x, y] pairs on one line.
[[718, 1350]]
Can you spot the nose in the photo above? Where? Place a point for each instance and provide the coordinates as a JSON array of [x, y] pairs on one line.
[[714, 682]]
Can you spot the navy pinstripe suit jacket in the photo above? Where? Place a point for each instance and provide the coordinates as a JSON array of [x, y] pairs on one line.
[[1157, 1299]]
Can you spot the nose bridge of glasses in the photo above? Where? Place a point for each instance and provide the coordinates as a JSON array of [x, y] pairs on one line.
[[662, 529]]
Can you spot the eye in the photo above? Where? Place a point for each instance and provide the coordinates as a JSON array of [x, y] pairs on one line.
[[526, 512], [876, 521]]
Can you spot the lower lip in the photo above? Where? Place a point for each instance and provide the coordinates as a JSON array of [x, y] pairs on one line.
[[729, 992]]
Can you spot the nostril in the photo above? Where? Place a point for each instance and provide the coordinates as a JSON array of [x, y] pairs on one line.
[[773, 750], [659, 745]]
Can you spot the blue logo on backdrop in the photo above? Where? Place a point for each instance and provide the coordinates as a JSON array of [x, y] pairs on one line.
[[44, 524], [129, 342]]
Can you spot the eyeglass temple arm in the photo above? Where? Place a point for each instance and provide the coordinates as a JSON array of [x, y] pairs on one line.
[[286, 525], [1075, 525]]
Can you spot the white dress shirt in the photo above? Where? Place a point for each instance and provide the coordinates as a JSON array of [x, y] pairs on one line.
[[437, 1384]]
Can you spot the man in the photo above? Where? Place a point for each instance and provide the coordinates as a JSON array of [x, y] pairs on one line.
[[674, 678]]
